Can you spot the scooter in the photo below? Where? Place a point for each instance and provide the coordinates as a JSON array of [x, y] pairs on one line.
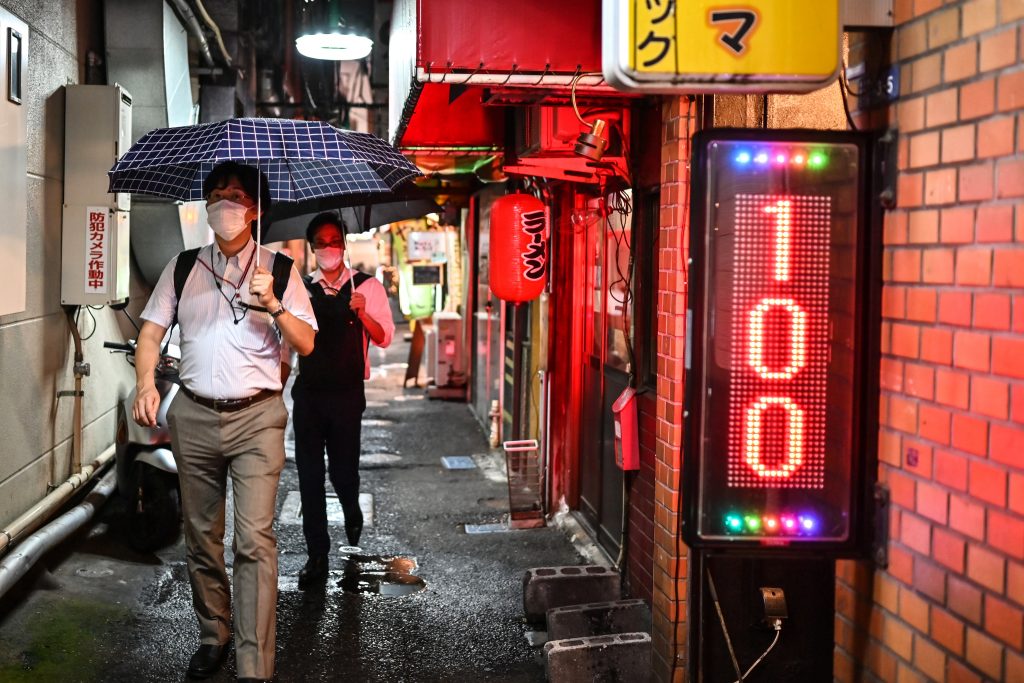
[[147, 475]]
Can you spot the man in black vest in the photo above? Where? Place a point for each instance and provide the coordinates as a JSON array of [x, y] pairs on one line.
[[352, 310]]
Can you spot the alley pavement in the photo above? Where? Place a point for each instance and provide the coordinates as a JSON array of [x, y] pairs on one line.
[[420, 600]]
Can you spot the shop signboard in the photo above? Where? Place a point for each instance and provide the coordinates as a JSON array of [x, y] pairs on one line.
[[781, 400], [427, 246], [757, 46]]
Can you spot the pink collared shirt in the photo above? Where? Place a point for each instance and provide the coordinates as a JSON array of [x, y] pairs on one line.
[[220, 358], [376, 306]]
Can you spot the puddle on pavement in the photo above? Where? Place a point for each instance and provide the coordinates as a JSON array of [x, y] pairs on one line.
[[387, 576]]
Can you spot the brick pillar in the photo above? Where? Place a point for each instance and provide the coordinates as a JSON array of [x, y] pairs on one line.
[[950, 606], [670, 555]]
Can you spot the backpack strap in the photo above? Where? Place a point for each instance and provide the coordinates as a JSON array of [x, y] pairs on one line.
[[280, 269], [182, 268]]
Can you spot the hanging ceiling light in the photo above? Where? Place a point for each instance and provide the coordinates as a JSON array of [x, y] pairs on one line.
[[325, 35]]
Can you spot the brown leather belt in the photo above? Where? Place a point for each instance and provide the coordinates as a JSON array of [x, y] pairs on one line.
[[230, 405]]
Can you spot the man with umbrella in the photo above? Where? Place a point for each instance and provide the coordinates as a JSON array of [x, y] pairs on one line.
[[232, 419], [352, 310], [229, 418]]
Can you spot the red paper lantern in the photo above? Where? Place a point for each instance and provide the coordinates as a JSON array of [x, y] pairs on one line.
[[519, 247]]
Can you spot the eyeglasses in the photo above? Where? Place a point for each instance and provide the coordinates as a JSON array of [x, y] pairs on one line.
[[230, 194], [336, 244]]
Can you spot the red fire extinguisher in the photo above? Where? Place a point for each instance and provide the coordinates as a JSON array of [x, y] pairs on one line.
[[518, 247]]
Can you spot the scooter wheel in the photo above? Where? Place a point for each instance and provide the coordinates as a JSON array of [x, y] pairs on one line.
[[155, 515]]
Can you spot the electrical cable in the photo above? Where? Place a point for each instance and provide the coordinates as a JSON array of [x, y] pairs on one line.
[[572, 91], [88, 309], [778, 633], [844, 89], [131, 320], [721, 620]]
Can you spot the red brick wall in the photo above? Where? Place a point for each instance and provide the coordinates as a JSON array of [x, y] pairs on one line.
[[670, 557], [639, 576], [951, 604]]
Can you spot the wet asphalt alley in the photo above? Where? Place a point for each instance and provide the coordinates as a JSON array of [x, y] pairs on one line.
[[96, 611]]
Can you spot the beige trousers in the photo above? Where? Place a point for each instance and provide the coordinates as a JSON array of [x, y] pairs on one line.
[[248, 445]]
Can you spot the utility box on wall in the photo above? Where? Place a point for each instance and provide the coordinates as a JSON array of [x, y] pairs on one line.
[[94, 249]]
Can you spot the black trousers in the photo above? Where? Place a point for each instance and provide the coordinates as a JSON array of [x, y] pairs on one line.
[[330, 419]]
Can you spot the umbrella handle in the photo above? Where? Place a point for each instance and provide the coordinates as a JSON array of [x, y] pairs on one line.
[[254, 299]]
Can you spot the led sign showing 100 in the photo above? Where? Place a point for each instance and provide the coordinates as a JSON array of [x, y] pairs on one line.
[[773, 396], [780, 348]]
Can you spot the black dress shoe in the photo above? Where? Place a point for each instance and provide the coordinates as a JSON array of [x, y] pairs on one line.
[[353, 533], [315, 571], [207, 660]]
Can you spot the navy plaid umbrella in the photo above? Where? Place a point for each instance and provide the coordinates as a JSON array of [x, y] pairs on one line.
[[301, 159]]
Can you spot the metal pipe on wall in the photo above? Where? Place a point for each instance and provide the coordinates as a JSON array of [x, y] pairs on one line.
[[42, 510], [80, 369], [38, 544], [197, 31]]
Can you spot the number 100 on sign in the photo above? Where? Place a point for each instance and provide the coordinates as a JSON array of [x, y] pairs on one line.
[[773, 391]]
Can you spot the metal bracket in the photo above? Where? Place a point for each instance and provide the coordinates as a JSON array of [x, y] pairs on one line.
[[82, 369], [886, 151], [774, 600], [880, 540]]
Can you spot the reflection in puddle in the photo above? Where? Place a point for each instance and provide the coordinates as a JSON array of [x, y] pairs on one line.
[[388, 576]]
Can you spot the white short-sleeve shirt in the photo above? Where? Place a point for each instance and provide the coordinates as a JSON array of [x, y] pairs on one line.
[[226, 351]]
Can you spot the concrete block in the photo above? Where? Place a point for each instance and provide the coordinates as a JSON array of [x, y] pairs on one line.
[[547, 587], [618, 657], [598, 619]]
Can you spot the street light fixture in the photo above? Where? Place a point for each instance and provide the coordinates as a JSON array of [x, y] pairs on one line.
[[326, 35]]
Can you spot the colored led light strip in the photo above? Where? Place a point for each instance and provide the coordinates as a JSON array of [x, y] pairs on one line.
[[813, 160], [783, 524]]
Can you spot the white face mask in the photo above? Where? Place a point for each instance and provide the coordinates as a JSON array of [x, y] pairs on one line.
[[227, 219], [328, 258]]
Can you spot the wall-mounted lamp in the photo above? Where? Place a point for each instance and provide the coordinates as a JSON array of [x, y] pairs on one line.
[[591, 145], [325, 34]]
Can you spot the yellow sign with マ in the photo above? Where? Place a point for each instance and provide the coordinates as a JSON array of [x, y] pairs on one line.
[[717, 45]]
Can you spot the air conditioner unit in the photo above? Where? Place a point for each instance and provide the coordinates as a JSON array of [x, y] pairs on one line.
[[552, 131], [546, 136], [446, 358]]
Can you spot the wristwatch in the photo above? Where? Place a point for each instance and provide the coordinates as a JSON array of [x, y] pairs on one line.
[[279, 312]]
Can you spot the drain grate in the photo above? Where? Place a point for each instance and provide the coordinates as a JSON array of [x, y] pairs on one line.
[[291, 510]]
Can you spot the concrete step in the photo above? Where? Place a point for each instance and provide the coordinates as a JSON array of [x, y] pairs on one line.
[[598, 619], [619, 657], [548, 587]]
